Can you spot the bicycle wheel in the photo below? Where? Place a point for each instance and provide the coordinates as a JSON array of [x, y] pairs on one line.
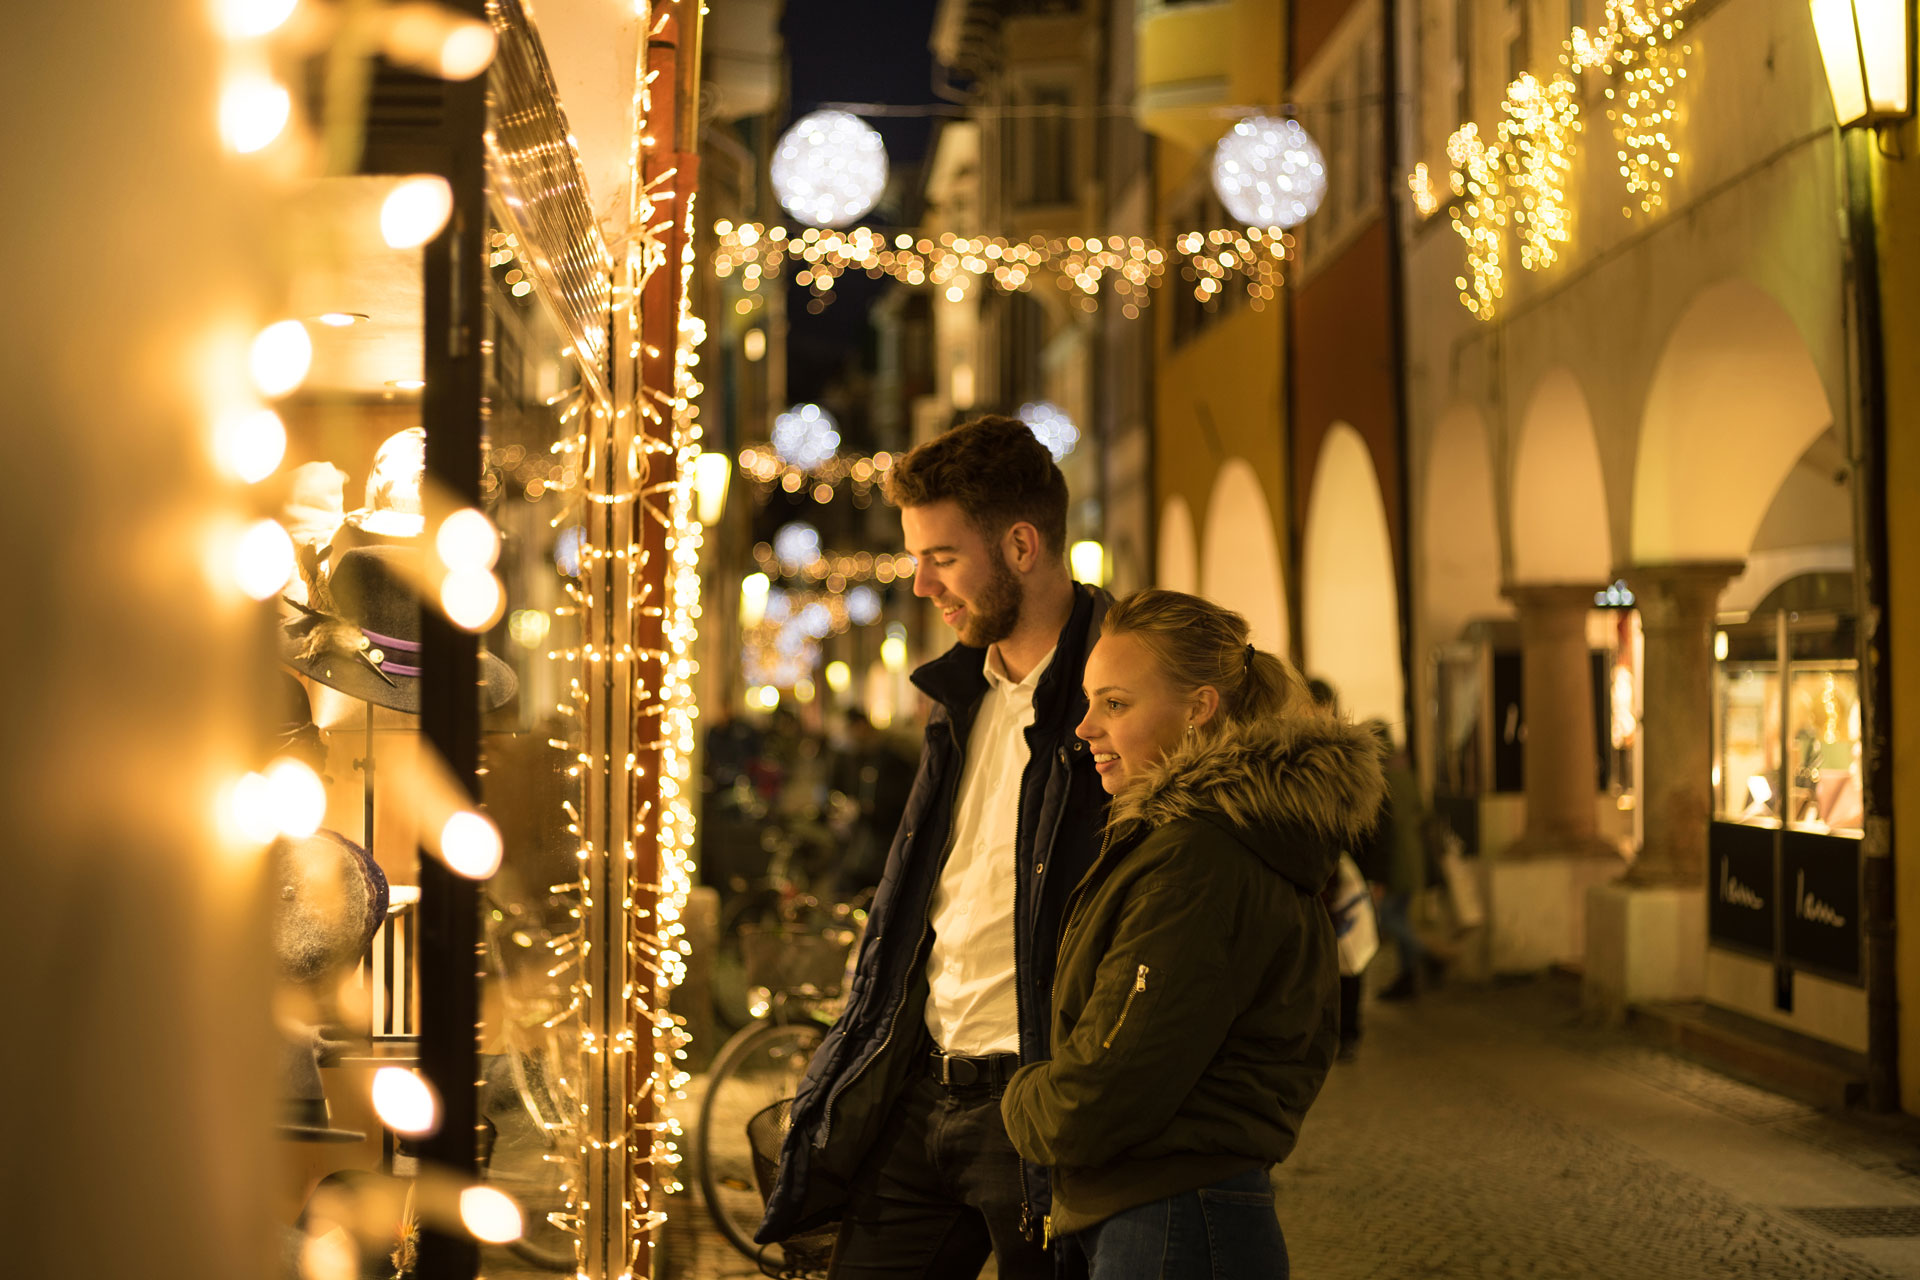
[[757, 1068]]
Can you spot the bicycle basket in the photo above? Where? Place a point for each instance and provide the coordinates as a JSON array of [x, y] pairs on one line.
[[809, 1251], [804, 962]]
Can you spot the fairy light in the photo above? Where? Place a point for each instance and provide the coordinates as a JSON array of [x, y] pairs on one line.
[[254, 110], [835, 568], [263, 559], [250, 444], [404, 1102], [491, 1215], [955, 266], [415, 211], [1516, 181], [470, 844]]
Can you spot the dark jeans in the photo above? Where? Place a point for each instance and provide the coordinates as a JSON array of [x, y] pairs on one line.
[[1350, 1008], [939, 1193], [1396, 923], [1227, 1231]]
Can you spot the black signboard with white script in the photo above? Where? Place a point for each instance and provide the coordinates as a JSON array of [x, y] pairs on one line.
[[1740, 892], [1820, 917]]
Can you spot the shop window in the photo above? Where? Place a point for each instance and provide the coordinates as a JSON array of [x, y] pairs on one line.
[[1519, 37]]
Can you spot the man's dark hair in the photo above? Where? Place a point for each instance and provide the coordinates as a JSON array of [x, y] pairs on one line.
[[995, 470]]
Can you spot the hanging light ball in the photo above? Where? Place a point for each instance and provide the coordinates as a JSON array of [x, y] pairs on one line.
[[1051, 426], [863, 605], [829, 167], [816, 620], [796, 545], [806, 436], [1268, 172]]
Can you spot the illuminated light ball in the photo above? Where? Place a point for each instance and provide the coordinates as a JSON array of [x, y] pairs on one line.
[[298, 797], [263, 560], [1269, 173], [471, 599], [332, 1255], [829, 168], [467, 541], [779, 606], [806, 436], [254, 109], [791, 641], [249, 19], [1051, 426], [803, 691], [415, 210], [280, 356], [816, 620], [249, 446], [470, 845], [404, 1102], [490, 1215], [863, 605], [796, 545]]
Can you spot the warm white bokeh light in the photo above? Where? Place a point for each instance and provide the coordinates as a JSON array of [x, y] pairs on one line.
[[1089, 561], [893, 652], [414, 211], [711, 473], [404, 1102], [280, 357], [470, 845], [250, 19], [254, 110], [263, 560], [467, 50], [754, 589], [250, 806], [839, 676], [1268, 172], [491, 1216], [472, 599], [298, 797], [249, 445], [467, 542]]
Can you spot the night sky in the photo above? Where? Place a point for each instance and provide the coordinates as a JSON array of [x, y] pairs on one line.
[[855, 51]]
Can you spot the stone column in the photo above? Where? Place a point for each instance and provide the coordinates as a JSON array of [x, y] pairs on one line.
[[1677, 603], [1562, 765]]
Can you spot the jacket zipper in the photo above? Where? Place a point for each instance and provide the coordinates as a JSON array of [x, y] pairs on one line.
[[900, 1002], [1019, 1002], [1139, 985]]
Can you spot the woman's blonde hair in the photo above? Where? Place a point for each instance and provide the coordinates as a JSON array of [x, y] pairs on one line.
[[1198, 643]]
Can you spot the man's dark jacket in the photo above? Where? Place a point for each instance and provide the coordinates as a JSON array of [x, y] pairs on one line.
[[860, 1067]]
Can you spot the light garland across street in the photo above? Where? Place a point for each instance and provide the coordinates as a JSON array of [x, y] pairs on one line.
[[1132, 266]]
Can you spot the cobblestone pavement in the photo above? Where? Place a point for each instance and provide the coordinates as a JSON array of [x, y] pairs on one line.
[[1489, 1134]]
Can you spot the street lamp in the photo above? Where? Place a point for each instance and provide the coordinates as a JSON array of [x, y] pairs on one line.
[[1864, 44]]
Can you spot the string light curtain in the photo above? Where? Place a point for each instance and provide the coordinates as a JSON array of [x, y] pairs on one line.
[[1515, 181]]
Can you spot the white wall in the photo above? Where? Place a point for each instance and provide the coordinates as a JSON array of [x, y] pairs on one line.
[[1240, 562], [1349, 603]]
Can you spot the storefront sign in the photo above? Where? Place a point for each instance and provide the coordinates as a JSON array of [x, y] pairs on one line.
[[1820, 919], [1740, 895]]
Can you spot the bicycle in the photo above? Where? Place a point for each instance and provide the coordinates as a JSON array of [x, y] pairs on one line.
[[798, 970]]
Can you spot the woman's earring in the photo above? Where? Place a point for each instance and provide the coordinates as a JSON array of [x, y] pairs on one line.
[[1189, 728]]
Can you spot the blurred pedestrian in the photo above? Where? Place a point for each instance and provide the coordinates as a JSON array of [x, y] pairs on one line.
[[876, 778], [1194, 1013], [896, 1131], [1399, 857], [1326, 701]]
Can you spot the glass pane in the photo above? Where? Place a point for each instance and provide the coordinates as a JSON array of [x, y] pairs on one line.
[[530, 748], [1746, 726], [1823, 736]]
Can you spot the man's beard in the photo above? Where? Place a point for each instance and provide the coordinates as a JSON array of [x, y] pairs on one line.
[[992, 617]]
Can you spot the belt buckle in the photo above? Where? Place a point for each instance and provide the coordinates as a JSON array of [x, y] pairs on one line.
[[946, 1070]]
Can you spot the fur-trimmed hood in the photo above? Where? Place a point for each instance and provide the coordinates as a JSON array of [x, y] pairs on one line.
[[1296, 792]]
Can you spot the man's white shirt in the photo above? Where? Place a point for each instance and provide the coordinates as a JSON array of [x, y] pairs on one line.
[[971, 1004]]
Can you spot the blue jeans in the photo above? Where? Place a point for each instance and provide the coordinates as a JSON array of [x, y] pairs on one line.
[[1227, 1231]]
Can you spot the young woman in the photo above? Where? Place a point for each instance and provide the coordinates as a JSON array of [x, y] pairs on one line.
[[1196, 1003]]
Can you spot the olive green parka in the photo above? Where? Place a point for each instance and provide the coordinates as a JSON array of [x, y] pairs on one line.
[[1196, 1002]]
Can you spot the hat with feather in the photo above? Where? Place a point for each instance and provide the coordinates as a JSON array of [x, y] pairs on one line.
[[360, 633]]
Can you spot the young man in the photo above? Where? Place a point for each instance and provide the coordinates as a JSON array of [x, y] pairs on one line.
[[896, 1129]]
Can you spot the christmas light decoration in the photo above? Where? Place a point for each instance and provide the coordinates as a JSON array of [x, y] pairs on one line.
[[1132, 266], [1268, 172], [1050, 426], [796, 544], [837, 569], [1517, 179], [829, 167], [805, 436]]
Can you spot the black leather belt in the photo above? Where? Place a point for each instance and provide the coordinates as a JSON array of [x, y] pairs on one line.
[[958, 1071]]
